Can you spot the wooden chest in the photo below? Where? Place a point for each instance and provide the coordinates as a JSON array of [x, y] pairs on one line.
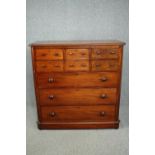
[[77, 84]]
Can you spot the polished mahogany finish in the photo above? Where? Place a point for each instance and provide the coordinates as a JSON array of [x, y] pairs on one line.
[[77, 83]]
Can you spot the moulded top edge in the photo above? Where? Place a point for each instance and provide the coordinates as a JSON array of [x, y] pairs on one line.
[[78, 43]]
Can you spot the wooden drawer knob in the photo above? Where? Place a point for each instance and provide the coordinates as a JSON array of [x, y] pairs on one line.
[[111, 65], [71, 53], [83, 65], [103, 79], [51, 97], [98, 52], [44, 66], [50, 80], [43, 54], [83, 53], [102, 113], [112, 52], [98, 65], [72, 65], [56, 54], [57, 66], [103, 96], [52, 114]]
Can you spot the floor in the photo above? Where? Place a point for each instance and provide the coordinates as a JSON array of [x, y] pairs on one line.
[[77, 142]]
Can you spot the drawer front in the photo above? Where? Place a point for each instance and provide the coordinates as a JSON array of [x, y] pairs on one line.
[[104, 53], [71, 96], [100, 79], [77, 65], [75, 54], [49, 54], [49, 66], [77, 113], [105, 65]]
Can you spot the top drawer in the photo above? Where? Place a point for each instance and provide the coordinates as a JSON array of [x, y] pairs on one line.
[[49, 54], [104, 53], [75, 54]]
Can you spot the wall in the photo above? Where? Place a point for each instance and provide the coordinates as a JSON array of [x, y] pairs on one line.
[[77, 20]]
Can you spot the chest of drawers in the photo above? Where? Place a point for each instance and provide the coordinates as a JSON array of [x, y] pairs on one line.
[[77, 84]]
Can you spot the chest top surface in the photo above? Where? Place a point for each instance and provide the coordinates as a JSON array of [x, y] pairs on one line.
[[77, 42]]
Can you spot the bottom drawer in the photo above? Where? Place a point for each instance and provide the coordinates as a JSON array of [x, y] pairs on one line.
[[77, 113]]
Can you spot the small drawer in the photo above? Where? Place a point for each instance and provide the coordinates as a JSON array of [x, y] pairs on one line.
[[77, 113], [49, 54], [85, 79], [78, 96], [75, 54], [77, 65], [100, 53], [49, 66], [105, 65]]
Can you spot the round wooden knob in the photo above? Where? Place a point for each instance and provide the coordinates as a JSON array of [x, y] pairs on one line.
[[71, 65], [52, 114], [83, 65], [98, 52], [83, 53], [43, 54], [57, 66], [98, 65], [56, 54], [44, 66], [103, 96], [51, 97], [112, 52], [50, 80], [111, 65], [103, 79], [102, 113]]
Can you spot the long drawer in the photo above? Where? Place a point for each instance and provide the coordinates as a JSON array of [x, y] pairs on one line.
[[100, 79], [77, 113], [78, 96]]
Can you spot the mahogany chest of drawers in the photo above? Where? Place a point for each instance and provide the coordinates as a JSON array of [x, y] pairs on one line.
[[77, 84]]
